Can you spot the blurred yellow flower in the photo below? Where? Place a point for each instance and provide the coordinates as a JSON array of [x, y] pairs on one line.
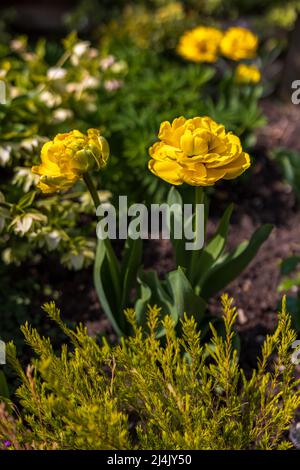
[[197, 151], [239, 43], [68, 157], [171, 11], [247, 74], [200, 44]]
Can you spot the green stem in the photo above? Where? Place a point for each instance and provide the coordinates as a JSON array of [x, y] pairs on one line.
[[112, 259], [199, 199], [93, 191]]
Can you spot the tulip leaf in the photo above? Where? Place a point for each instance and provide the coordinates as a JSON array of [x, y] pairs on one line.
[[185, 299], [214, 248], [152, 292], [104, 280], [131, 262], [175, 296], [174, 197], [26, 200], [289, 264], [226, 271]]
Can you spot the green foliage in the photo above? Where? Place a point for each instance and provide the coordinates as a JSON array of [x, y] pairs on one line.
[[44, 98], [4, 392], [199, 274], [289, 162], [125, 89], [290, 282], [142, 395]]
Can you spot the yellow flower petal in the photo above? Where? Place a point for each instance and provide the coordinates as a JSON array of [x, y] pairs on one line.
[[198, 152], [68, 157]]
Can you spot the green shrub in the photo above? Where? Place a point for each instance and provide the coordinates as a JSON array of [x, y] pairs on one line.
[[145, 395]]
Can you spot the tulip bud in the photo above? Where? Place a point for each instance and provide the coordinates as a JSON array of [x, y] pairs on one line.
[[68, 157]]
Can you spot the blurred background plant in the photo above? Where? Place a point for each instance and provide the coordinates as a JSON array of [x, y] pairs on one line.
[[126, 81]]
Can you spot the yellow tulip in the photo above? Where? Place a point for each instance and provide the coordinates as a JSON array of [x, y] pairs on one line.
[[196, 151], [239, 43], [247, 74], [200, 44], [66, 158]]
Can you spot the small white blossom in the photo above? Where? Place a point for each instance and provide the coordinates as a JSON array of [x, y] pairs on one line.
[[17, 45], [29, 56], [14, 92], [23, 223], [107, 62], [92, 53], [56, 73], [90, 82], [30, 144], [78, 51], [81, 47], [77, 261], [62, 114], [5, 153], [53, 239], [49, 99], [24, 178], [73, 87], [112, 85]]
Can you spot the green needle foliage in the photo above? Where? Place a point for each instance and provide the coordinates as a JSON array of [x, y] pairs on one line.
[[142, 394]]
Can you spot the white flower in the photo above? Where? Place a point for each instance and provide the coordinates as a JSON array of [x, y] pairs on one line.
[[49, 99], [17, 45], [62, 114], [90, 82], [73, 87], [7, 256], [56, 73], [5, 153], [112, 85], [23, 223], [53, 239], [14, 92], [29, 56], [78, 51], [25, 178], [30, 144], [107, 62], [77, 261], [81, 47], [92, 53]]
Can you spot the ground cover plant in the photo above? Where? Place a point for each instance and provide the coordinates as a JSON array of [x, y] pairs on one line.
[[83, 398]]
